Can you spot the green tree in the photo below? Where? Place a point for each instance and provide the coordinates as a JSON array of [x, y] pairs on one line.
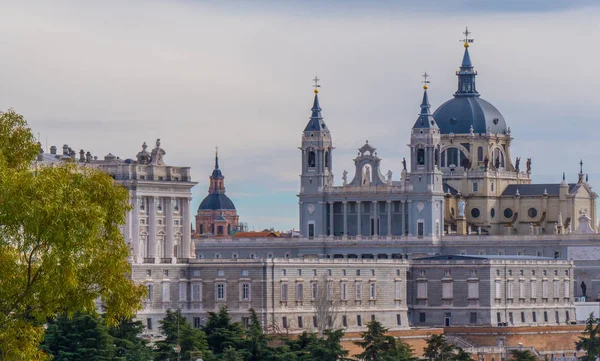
[[462, 355], [401, 352], [256, 341], [375, 343], [221, 333], [438, 348], [522, 355], [178, 331], [231, 354], [590, 342], [82, 337], [130, 346], [60, 248]]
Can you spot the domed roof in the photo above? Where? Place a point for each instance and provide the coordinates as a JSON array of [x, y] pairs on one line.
[[216, 201], [457, 115]]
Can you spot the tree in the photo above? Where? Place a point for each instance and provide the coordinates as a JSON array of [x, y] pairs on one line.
[[462, 355], [60, 248], [222, 333], [178, 331], [522, 355], [590, 342], [130, 346], [256, 341], [375, 343], [439, 349], [82, 337], [326, 304]]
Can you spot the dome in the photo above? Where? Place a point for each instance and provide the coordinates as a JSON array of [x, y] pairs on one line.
[[216, 201], [458, 114]]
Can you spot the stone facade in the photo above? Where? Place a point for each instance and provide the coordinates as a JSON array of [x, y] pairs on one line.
[[491, 291]]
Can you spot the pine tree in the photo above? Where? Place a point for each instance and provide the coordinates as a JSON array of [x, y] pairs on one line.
[[438, 348], [590, 342], [376, 344], [178, 331], [129, 345]]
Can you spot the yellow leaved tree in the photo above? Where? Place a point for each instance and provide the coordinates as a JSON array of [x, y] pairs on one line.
[[60, 244]]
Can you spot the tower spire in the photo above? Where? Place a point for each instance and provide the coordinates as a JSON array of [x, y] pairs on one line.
[[466, 74], [217, 157], [425, 119], [316, 124]]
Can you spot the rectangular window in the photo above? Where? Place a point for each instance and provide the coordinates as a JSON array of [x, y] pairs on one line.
[[344, 288], [509, 290], [196, 292], [557, 318], [246, 321], [545, 316], [344, 321], [498, 317], [567, 316], [284, 322], [358, 272], [473, 317], [245, 292], [284, 272], [534, 316], [372, 318], [475, 187], [532, 290], [329, 291], [510, 318], [373, 291], [544, 289], [299, 272], [220, 291], [284, 292], [398, 319], [523, 317], [422, 290], [473, 290], [398, 290], [166, 292], [358, 320], [149, 323], [556, 289], [197, 323], [422, 317], [567, 289], [420, 229], [358, 290], [447, 290], [300, 322], [311, 230], [150, 295], [183, 291], [522, 289], [299, 291], [315, 290], [314, 321], [498, 290]]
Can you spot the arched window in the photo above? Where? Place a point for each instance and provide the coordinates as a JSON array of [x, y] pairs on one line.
[[420, 156], [326, 160], [480, 154], [498, 158], [311, 159], [437, 157], [452, 157]]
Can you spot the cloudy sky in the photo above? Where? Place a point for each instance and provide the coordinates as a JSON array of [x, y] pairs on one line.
[[108, 75]]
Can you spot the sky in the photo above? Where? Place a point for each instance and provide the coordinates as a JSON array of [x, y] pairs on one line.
[[105, 76]]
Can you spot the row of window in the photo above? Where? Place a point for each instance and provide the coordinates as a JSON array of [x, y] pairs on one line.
[[160, 222], [508, 213], [143, 204], [344, 291], [314, 272], [448, 290], [286, 323], [245, 292], [533, 292], [533, 272]]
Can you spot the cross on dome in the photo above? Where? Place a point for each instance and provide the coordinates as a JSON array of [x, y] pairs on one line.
[[425, 81], [316, 80]]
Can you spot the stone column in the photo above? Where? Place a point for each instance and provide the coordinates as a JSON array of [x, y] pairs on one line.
[[152, 227], [303, 232], [408, 211], [168, 209], [135, 229], [389, 218], [345, 218], [331, 227], [358, 223], [375, 220], [187, 233], [403, 209]]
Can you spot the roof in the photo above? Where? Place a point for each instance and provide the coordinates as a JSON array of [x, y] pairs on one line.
[[449, 189], [265, 234], [458, 114], [216, 201], [537, 189], [425, 120], [494, 257], [316, 123]]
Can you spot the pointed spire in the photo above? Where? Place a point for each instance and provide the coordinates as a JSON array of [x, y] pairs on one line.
[[217, 172], [425, 119], [316, 124], [466, 74], [217, 157]]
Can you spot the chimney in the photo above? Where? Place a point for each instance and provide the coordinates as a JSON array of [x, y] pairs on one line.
[[88, 157], [53, 149], [65, 149], [82, 155]]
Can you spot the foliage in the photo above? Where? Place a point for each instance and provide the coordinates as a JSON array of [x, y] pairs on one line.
[[82, 337], [178, 331], [378, 346], [256, 341], [60, 248], [130, 346], [522, 355], [462, 355], [221, 333], [590, 342], [438, 348]]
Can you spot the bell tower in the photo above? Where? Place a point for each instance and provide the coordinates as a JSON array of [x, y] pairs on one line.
[[316, 173]]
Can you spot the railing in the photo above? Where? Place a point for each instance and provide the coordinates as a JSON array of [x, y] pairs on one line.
[[166, 260], [183, 260], [459, 342], [148, 260]]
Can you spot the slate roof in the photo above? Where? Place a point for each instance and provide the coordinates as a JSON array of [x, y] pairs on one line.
[[425, 120], [216, 201], [316, 123], [448, 189], [464, 257], [457, 115], [538, 189]]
